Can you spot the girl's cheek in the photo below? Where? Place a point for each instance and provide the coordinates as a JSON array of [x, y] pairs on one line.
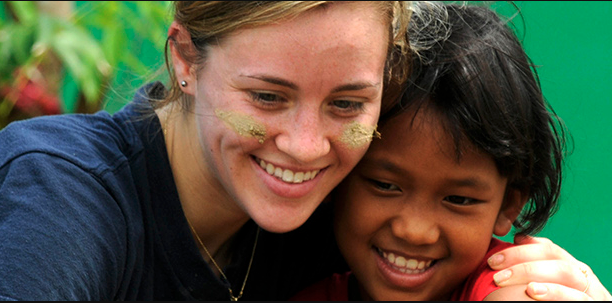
[[243, 124], [357, 135]]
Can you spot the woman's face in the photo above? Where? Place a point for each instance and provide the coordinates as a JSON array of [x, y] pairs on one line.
[[285, 111]]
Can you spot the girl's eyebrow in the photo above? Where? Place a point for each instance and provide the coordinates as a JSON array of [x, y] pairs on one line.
[[470, 181], [282, 82], [382, 163]]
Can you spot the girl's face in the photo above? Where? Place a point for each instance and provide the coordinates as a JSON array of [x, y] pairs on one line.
[[413, 222], [285, 111]]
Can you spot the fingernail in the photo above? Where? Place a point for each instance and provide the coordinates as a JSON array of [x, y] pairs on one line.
[[496, 259], [502, 276], [538, 289]]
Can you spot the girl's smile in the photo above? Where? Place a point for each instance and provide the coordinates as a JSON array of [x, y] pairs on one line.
[[403, 271]]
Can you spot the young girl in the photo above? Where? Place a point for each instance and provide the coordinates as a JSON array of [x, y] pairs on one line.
[[471, 144]]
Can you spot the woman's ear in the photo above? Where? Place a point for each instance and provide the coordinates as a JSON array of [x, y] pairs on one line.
[[180, 46], [514, 201]]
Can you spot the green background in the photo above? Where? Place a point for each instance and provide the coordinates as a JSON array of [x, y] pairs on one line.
[[571, 42]]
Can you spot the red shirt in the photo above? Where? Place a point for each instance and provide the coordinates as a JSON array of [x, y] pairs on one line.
[[476, 287], [479, 283]]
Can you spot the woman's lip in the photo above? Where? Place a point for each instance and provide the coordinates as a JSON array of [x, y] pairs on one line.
[[394, 276], [290, 167], [284, 189]]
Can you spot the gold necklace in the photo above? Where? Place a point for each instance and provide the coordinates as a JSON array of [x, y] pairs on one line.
[[232, 297]]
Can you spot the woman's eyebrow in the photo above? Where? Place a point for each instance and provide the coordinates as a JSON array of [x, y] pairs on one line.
[[273, 80], [282, 82], [355, 86]]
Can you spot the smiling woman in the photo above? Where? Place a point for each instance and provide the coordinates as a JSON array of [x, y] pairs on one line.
[[270, 105], [211, 189], [278, 77]]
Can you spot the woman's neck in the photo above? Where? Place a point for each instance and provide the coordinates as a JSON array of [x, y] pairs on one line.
[[207, 206]]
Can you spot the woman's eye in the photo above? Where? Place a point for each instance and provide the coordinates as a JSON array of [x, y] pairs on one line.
[[459, 200], [348, 106], [266, 98]]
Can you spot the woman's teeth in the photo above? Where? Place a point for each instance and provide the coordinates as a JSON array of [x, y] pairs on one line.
[[287, 175], [409, 266]]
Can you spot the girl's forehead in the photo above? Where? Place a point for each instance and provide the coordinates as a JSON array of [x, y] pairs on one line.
[[425, 127], [421, 148]]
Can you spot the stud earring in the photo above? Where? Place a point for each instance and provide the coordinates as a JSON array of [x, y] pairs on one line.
[[183, 83]]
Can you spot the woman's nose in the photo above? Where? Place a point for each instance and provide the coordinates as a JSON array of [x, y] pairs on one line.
[[305, 138]]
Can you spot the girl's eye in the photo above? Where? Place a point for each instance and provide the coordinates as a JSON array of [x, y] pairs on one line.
[[266, 98], [459, 200], [383, 186], [346, 106]]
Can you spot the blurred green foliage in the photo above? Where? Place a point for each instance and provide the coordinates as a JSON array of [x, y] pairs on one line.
[[71, 53]]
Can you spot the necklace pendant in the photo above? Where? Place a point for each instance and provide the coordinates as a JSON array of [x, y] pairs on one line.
[[232, 297]]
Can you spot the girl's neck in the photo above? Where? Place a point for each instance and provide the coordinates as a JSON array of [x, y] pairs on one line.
[[208, 207]]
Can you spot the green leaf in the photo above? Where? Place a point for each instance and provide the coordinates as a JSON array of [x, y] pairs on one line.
[[17, 41], [69, 93], [26, 11], [82, 56], [114, 42]]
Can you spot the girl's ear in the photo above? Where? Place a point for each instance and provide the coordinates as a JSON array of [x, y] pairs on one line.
[[180, 44], [514, 201]]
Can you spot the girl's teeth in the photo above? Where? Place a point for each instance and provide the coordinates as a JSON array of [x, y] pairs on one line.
[[288, 175], [411, 266], [278, 173]]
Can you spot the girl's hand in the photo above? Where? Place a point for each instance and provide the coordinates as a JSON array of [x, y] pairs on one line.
[[549, 271]]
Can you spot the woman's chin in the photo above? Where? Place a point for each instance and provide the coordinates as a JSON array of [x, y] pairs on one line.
[[282, 221]]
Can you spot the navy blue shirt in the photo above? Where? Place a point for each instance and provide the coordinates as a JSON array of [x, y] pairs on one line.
[[89, 211]]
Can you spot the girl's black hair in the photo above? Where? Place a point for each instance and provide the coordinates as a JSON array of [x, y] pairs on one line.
[[468, 65]]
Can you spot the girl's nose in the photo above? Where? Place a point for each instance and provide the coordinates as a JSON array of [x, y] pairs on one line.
[[415, 226]]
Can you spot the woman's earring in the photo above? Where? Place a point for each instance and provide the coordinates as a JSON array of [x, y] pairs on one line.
[[183, 83]]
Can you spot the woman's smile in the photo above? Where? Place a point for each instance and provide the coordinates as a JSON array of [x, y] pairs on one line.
[[287, 175], [285, 182]]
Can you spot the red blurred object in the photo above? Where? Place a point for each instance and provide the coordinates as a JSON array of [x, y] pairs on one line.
[[32, 98]]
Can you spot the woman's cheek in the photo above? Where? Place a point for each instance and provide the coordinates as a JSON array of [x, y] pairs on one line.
[[243, 124], [357, 135], [351, 135]]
